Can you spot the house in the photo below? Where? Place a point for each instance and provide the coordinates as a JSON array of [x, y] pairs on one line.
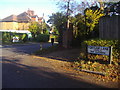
[[19, 22]]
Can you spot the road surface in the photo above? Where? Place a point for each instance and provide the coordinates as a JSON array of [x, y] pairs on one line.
[[22, 70]]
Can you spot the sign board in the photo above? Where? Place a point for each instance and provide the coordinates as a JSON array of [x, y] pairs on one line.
[[98, 50], [15, 39]]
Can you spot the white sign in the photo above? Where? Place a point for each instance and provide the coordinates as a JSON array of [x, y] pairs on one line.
[[99, 50], [15, 39]]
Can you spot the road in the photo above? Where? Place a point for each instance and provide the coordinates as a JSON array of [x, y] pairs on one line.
[[27, 48], [22, 70]]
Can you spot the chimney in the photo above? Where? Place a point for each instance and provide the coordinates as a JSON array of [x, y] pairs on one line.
[[30, 12]]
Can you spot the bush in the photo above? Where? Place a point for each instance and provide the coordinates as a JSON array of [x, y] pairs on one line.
[[8, 36], [42, 38], [93, 62], [106, 43], [54, 36], [0, 38], [24, 37]]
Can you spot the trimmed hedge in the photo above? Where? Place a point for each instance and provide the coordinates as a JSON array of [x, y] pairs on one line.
[[42, 38], [8, 36], [106, 43]]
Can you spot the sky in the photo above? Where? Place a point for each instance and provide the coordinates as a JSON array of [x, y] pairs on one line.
[[9, 7]]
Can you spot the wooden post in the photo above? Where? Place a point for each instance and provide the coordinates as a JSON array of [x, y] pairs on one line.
[[110, 55], [86, 52], [40, 46]]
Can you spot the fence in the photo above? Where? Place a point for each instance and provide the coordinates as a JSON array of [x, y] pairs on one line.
[[109, 27]]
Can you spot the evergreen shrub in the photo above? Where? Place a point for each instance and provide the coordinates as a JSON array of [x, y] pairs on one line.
[[42, 38], [8, 36]]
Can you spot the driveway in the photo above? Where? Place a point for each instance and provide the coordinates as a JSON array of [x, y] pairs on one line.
[[22, 70]]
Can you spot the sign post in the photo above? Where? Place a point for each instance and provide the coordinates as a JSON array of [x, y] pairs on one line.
[[86, 52], [15, 39], [110, 55], [101, 51], [41, 47]]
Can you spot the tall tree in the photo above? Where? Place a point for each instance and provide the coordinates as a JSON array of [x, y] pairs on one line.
[[92, 18], [84, 25], [113, 8], [67, 6], [57, 20], [109, 8], [44, 28], [35, 28]]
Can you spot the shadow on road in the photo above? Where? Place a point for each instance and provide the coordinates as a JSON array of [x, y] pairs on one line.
[[17, 75], [68, 55]]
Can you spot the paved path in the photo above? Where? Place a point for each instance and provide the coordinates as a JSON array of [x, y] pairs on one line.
[[21, 70]]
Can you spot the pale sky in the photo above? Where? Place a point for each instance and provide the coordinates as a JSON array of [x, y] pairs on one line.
[[9, 7]]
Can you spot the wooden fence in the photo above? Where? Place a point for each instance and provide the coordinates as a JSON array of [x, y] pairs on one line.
[[109, 27]]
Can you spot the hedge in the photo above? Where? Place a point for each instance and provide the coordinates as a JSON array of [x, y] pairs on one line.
[[111, 71], [105, 43], [42, 38], [8, 36]]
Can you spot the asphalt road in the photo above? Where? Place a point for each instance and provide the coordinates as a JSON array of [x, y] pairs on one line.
[[22, 70], [26, 48]]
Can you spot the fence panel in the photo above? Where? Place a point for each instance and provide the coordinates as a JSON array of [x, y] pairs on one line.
[[109, 27]]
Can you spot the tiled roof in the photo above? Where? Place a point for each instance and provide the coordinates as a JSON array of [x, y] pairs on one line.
[[10, 18], [34, 16], [40, 18], [23, 17]]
